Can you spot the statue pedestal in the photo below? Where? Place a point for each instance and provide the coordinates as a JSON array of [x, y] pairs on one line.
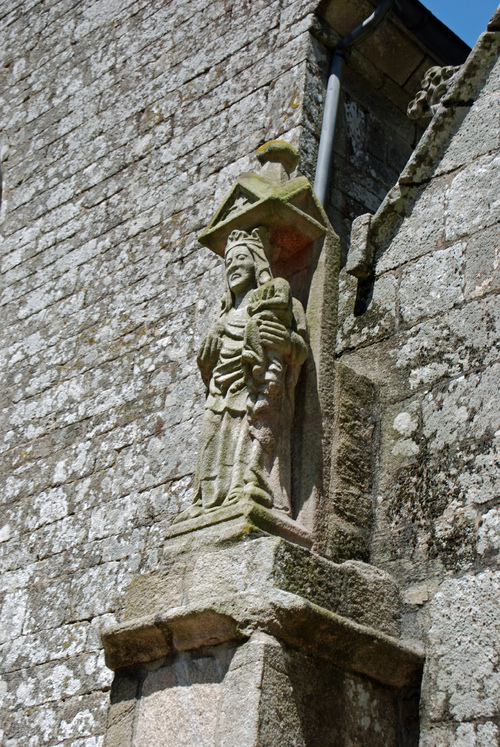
[[248, 515], [244, 638]]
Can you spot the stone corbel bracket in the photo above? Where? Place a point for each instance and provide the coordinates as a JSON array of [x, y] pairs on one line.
[[223, 583], [288, 617], [361, 252]]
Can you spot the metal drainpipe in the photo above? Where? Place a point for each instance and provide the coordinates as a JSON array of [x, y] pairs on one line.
[[343, 48]]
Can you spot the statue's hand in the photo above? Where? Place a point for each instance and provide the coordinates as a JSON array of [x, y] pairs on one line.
[[276, 336], [208, 354]]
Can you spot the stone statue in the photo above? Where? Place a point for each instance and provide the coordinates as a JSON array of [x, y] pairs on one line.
[[250, 362]]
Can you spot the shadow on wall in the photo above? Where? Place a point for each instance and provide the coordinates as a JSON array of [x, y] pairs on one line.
[[259, 690]]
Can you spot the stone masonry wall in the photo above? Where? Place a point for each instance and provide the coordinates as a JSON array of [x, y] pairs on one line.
[[430, 344], [122, 125], [373, 136], [373, 139]]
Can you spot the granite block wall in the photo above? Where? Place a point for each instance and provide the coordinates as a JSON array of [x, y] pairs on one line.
[[122, 125], [429, 343]]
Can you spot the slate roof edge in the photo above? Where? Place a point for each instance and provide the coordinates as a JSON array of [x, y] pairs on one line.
[[432, 32]]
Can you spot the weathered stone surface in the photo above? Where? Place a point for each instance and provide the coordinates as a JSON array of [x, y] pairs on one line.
[[464, 735], [434, 86], [357, 329], [466, 146], [121, 711], [360, 257], [179, 703], [233, 559], [351, 483], [437, 349], [465, 86], [482, 258], [258, 692], [302, 625], [422, 228], [259, 678], [116, 170], [441, 464], [472, 198], [463, 678], [122, 125], [436, 520], [441, 274], [218, 588]]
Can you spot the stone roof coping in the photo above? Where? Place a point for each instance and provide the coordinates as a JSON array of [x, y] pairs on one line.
[[369, 234]]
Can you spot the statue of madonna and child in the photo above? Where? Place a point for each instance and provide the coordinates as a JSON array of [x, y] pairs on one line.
[[250, 362]]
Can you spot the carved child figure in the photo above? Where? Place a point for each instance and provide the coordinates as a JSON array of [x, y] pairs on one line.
[[263, 366]]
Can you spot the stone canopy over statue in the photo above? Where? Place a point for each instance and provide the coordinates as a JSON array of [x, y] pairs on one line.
[[250, 361]]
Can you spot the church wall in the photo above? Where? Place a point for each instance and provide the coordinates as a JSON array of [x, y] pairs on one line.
[[373, 136], [122, 126], [429, 343]]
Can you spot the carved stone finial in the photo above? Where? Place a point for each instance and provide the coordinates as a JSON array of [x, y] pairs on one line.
[[434, 86], [278, 159]]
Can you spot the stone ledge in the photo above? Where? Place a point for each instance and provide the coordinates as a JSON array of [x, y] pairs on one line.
[[226, 580], [235, 557], [254, 515], [303, 625]]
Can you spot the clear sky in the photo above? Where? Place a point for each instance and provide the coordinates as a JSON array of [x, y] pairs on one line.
[[467, 18]]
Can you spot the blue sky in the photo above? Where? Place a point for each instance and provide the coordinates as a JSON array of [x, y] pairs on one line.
[[467, 18]]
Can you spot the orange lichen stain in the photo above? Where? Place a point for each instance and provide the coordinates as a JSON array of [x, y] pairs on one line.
[[295, 100], [287, 240]]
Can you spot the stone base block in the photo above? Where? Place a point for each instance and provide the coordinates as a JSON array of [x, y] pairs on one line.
[[243, 638], [250, 513], [225, 581], [256, 693], [237, 559]]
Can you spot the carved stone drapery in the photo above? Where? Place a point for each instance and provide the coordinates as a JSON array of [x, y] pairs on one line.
[[250, 361]]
